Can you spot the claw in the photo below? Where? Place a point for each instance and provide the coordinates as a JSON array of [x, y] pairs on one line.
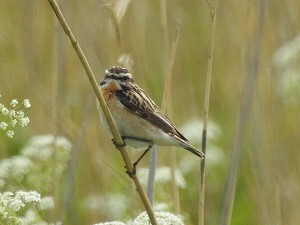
[[131, 174], [118, 146]]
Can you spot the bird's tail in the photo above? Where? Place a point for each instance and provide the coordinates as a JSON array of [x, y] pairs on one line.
[[193, 150], [184, 144]]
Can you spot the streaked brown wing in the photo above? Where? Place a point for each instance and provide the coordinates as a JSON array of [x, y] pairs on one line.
[[138, 102]]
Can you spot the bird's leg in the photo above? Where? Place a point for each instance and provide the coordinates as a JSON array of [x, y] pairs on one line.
[[140, 158], [137, 161], [118, 146]]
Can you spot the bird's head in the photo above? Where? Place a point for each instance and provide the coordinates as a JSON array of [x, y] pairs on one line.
[[118, 76]]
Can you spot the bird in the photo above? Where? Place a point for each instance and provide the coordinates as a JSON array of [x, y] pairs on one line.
[[139, 120]]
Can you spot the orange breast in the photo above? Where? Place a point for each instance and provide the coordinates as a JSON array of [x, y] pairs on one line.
[[108, 90]]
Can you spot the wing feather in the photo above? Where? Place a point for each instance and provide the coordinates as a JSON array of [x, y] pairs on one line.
[[138, 102]]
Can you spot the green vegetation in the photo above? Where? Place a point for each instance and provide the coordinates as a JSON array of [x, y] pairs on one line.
[[75, 175]]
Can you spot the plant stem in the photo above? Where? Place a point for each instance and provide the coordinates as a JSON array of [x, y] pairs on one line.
[[151, 174], [105, 109], [167, 98], [201, 206], [250, 85]]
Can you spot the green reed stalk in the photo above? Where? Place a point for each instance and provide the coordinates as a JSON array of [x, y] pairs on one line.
[[201, 206], [105, 109]]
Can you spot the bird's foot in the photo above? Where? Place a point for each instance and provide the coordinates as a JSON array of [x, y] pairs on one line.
[[132, 173], [117, 145]]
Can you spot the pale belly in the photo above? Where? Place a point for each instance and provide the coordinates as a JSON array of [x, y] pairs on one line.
[[131, 125]]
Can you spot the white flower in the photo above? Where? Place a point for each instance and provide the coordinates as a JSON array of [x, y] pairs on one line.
[[16, 204], [160, 206], [164, 218], [29, 197], [26, 103], [41, 147], [7, 194], [14, 103], [12, 113], [46, 203], [24, 121], [163, 175], [30, 217], [10, 134], [111, 223], [4, 110], [20, 113], [13, 117], [3, 125], [13, 122], [115, 204], [286, 61], [15, 167], [192, 127]]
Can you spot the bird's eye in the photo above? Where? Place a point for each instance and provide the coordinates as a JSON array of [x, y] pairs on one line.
[[125, 78]]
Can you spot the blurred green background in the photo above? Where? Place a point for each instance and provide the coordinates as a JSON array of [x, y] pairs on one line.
[[39, 63]]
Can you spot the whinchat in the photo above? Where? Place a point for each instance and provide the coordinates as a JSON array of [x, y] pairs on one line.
[[138, 119]]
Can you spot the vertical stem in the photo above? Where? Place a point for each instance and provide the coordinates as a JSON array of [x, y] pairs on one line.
[[250, 83], [167, 91], [201, 206], [151, 176], [105, 109], [55, 111], [165, 107], [175, 191]]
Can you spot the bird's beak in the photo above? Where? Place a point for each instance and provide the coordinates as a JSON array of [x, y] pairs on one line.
[[102, 83]]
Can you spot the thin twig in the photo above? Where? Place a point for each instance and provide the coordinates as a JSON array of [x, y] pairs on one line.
[[153, 150], [168, 108], [105, 109], [151, 174], [166, 98], [55, 112], [250, 84], [167, 91], [201, 207], [116, 26]]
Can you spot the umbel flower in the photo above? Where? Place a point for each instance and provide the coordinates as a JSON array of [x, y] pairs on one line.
[[11, 117]]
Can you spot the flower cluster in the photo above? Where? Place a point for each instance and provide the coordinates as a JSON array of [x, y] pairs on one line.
[[9, 118], [35, 158], [163, 218], [32, 169], [12, 203]]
